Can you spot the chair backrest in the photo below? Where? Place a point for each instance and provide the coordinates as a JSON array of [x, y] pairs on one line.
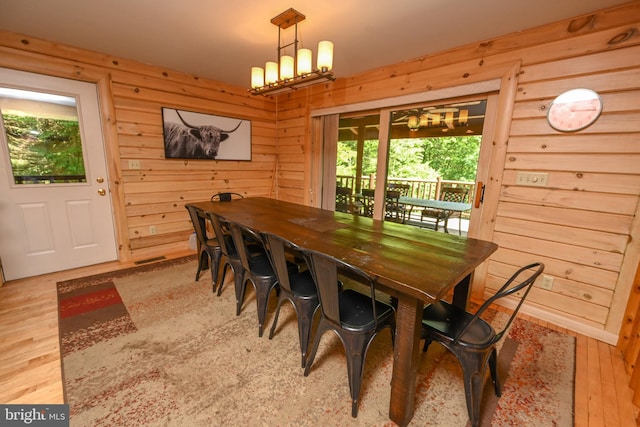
[[241, 236], [199, 222], [223, 235], [403, 189], [368, 192], [368, 196], [518, 282], [454, 194], [343, 199], [326, 272], [226, 197], [392, 203], [277, 248]]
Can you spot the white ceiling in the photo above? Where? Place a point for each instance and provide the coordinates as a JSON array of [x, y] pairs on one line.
[[221, 40]]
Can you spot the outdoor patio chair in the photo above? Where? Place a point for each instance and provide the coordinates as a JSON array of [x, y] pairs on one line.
[[368, 196], [343, 200]]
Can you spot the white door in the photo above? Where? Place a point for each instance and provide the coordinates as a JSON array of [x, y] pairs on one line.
[[55, 207]]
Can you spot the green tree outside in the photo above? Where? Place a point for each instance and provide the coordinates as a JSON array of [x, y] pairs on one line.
[[452, 158], [44, 147]]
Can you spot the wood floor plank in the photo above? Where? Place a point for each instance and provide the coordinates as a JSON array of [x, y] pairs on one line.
[[594, 384], [624, 394], [581, 402], [609, 406]]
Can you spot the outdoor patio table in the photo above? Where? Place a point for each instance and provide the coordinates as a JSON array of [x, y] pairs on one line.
[[416, 266]]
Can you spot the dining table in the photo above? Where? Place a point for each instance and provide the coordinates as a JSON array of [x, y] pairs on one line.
[[416, 266]]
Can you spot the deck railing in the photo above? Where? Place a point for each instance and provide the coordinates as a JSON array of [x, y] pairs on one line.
[[420, 188]]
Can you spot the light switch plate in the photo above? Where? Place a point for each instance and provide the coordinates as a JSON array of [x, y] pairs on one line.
[[535, 179]]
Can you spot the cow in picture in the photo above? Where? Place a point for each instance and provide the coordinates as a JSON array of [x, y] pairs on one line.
[[186, 141]]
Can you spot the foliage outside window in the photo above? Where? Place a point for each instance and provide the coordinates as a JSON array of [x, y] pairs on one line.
[[44, 150], [451, 158]]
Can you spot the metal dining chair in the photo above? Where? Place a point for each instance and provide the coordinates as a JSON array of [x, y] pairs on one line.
[[230, 258], [471, 339], [257, 270], [296, 286], [208, 249], [355, 317]]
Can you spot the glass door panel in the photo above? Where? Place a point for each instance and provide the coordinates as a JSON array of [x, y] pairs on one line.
[[356, 163], [433, 148]]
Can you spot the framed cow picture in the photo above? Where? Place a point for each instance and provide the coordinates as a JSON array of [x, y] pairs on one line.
[[191, 135]]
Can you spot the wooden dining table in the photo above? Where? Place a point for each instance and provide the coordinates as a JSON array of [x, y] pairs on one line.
[[416, 266]]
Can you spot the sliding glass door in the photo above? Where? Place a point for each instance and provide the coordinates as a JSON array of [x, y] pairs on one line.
[[410, 151]]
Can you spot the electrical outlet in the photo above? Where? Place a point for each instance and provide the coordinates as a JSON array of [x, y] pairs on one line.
[[547, 282], [152, 230], [134, 164], [534, 179]]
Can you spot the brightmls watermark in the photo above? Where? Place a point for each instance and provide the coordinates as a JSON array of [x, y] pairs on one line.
[[34, 415]]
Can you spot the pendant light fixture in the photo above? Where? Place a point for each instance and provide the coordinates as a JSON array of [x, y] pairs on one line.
[[292, 72]]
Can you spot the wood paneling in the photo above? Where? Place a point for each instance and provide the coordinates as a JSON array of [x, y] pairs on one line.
[[156, 193], [582, 225]]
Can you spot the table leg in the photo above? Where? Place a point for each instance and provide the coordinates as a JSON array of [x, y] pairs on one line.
[[406, 356], [462, 293]]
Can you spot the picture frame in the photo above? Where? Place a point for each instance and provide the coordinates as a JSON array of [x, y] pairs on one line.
[[193, 135]]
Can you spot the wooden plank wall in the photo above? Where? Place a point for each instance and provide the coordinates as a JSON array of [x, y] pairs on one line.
[[155, 194], [583, 223]]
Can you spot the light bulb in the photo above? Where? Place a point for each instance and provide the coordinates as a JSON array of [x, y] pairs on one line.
[[271, 73], [325, 56], [257, 77], [286, 67], [304, 61]]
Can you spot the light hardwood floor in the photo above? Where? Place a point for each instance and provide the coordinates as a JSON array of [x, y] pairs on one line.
[[30, 357]]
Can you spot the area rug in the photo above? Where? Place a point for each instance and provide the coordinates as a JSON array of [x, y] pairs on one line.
[[150, 346]]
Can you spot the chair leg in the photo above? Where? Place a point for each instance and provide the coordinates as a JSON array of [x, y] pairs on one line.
[[240, 282], [493, 368], [322, 328], [215, 271], [225, 267], [474, 374], [356, 349], [305, 311], [275, 318], [202, 259], [263, 289]]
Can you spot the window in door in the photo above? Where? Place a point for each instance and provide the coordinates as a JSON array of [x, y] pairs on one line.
[[43, 137]]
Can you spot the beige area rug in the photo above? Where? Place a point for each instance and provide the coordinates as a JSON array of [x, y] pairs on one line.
[[150, 346]]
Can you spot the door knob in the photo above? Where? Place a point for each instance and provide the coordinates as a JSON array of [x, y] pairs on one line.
[[102, 191]]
